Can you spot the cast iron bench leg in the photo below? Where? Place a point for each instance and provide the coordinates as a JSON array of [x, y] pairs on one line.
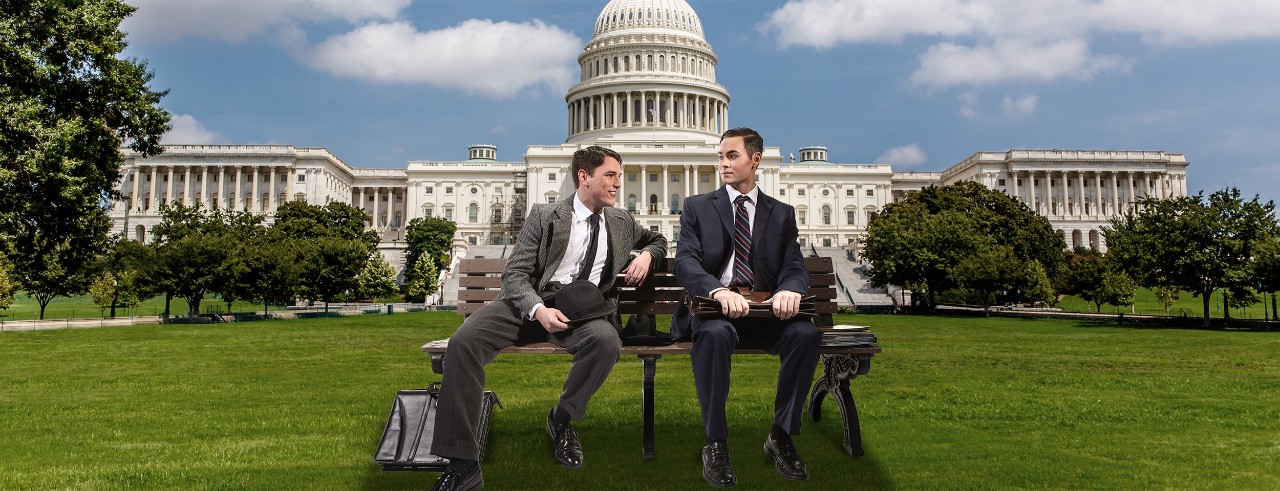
[[650, 369], [837, 370]]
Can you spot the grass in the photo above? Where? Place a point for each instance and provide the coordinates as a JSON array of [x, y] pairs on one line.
[[1192, 306], [957, 403], [81, 307]]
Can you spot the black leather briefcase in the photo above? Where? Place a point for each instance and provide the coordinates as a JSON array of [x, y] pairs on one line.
[[406, 442]]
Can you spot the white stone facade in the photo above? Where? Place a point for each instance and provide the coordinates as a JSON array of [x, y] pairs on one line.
[[648, 91]]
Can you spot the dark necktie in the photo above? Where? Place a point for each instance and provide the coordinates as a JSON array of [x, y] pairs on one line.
[[741, 244], [589, 259]]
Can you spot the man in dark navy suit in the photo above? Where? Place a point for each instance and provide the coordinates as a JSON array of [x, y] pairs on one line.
[[738, 240]]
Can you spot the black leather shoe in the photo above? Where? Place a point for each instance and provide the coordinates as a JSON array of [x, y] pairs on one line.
[[716, 468], [567, 449], [785, 458], [452, 481]]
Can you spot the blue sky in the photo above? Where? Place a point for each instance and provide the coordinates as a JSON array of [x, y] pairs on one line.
[[918, 84]]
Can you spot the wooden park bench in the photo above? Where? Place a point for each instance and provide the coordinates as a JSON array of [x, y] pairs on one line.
[[479, 282]]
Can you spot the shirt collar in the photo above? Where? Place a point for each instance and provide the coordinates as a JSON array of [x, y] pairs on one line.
[[754, 194], [580, 211]]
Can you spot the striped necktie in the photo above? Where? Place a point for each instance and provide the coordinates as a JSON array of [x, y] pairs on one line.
[[742, 244]]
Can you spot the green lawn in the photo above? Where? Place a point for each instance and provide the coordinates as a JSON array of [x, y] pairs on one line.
[[967, 403], [81, 307], [1145, 303]]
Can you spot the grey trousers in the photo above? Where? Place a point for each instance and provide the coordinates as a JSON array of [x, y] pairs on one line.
[[595, 347]]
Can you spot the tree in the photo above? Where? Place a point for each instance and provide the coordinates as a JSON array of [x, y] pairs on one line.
[[114, 289], [989, 274], [1194, 244], [68, 102], [1166, 295], [420, 281], [377, 280], [1082, 275], [1267, 272], [6, 286], [431, 237], [330, 267], [272, 266], [1116, 288], [919, 241]]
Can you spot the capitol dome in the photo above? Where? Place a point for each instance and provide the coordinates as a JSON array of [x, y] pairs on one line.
[[647, 74], [648, 14]]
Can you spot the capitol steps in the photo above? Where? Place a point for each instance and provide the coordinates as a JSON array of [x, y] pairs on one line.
[[853, 283]]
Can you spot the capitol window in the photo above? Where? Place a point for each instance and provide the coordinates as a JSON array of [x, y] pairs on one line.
[[704, 177], [430, 190], [1000, 182], [871, 193], [551, 176], [848, 193], [800, 192], [448, 190], [653, 178], [631, 178]]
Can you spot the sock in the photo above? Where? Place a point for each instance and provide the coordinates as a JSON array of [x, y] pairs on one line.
[[780, 435], [560, 416], [462, 466]]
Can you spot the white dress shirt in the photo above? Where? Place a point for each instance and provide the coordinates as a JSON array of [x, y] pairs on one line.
[[726, 276]]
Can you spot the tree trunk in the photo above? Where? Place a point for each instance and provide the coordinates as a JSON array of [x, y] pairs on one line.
[[1205, 297], [168, 298], [265, 313]]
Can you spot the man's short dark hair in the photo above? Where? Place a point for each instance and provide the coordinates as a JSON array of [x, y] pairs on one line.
[[589, 158], [752, 141]]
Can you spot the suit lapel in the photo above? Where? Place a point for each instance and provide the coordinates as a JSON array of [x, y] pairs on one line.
[[763, 208], [619, 244], [561, 224], [720, 199]]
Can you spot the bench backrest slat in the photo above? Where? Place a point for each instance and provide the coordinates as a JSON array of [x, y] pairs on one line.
[[479, 281]]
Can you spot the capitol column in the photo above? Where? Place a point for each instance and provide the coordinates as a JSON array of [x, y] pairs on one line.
[[238, 202], [133, 200], [153, 202], [664, 205], [1097, 193], [1129, 198], [643, 199], [1013, 182], [1080, 193], [169, 187], [1031, 189]]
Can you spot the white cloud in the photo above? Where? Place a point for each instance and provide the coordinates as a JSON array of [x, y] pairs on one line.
[[238, 20], [905, 156], [948, 64], [982, 42], [494, 59], [1021, 107], [969, 105], [186, 130], [499, 130]]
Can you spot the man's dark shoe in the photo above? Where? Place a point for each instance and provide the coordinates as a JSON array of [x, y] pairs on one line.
[[716, 468], [452, 481], [567, 449], [785, 458]]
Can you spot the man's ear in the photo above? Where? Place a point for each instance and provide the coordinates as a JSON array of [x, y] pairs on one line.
[[582, 176]]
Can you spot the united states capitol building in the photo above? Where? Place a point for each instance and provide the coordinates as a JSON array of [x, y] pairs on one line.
[[648, 90]]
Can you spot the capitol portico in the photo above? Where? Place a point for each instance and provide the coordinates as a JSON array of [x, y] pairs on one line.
[[647, 90]]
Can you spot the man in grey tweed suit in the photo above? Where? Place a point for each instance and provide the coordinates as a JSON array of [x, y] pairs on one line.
[[552, 250]]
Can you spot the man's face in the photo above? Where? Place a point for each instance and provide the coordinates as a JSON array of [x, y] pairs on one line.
[[737, 167], [600, 189]]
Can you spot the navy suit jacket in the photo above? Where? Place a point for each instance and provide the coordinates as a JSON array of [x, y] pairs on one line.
[[706, 247]]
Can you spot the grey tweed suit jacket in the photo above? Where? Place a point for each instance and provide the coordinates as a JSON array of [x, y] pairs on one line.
[[545, 238]]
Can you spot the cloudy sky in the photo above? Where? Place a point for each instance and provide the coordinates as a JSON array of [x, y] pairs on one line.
[[920, 84]]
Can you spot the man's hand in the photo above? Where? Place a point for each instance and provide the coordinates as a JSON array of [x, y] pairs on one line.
[[551, 319], [638, 269], [786, 304], [732, 304]]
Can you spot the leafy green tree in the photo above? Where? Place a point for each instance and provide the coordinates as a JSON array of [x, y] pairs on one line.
[[330, 267], [1166, 295], [52, 268], [299, 220], [989, 275], [7, 286], [377, 280], [421, 281], [1194, 244], [272, 267], [1116, 288], [69, 101], [1082, 275], [907, 245], [1035, 285], [919, 241], [1267, 272], [110, 290], [431, 237]]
